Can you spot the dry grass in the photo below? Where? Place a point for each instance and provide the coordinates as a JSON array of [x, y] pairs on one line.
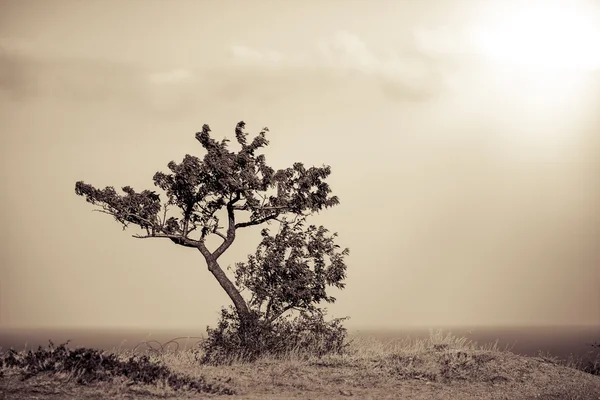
[[439, 367]]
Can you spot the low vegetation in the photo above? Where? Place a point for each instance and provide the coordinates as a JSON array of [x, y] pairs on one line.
[[307, 333], [589, 363], [86, 366], [440, 366]]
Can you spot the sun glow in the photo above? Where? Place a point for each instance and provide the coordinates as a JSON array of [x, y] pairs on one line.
[[540, 65], [542, 37]]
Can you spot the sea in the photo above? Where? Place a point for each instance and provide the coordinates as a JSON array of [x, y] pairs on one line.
[[562, 342]]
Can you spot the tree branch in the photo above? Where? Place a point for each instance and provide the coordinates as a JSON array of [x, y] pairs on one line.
[[219, 234], [237, 198], [164, 220], [186, 221], [204, 251], [256, 222], [230, 229], [180, 240], [285, 309], [126, 215]]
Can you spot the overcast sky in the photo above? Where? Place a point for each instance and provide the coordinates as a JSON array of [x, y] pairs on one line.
[[464, 150]]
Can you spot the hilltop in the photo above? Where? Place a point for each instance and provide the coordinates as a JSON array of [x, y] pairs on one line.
[[440, 367]]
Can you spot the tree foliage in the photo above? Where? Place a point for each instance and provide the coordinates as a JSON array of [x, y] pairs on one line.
[[290, 270]]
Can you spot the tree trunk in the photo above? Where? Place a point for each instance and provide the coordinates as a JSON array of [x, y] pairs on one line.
[[247, 319], [232, 291]]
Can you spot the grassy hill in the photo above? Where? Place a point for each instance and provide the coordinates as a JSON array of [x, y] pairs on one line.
[[440, 367]]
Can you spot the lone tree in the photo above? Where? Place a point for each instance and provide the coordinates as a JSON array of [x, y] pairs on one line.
[[291, 268]]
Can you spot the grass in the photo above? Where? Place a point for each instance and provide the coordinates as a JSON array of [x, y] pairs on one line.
[[589, 364], [441, 366]]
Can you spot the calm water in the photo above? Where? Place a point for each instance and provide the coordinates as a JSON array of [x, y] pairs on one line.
[[558, 341]]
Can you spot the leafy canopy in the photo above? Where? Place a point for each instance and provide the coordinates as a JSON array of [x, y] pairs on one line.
[[280, 276], [223, 179]]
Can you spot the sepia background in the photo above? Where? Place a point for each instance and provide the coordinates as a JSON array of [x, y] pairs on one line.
[[463, 138]]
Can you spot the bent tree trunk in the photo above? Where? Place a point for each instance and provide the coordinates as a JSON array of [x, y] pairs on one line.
[[232, 291], [247, 320]]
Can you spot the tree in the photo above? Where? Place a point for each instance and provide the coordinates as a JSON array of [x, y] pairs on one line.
[[291, 268]]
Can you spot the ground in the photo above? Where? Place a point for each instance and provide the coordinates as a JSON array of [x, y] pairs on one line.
[[441, 368]]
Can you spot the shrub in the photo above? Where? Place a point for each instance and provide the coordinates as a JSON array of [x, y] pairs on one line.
[[305, 334], [91, 365]]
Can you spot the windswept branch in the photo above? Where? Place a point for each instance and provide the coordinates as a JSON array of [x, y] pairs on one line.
[[182, 239], [178, 239], [257, 221], [105, 210]]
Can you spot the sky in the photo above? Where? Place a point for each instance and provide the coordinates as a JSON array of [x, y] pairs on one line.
[[463, 138]]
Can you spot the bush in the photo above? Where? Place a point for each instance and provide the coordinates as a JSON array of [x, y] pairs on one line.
[[307, 333], [91, 365]]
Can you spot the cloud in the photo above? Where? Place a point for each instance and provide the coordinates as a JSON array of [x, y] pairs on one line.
[[27, 76], [338, 66], [398, 75]]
